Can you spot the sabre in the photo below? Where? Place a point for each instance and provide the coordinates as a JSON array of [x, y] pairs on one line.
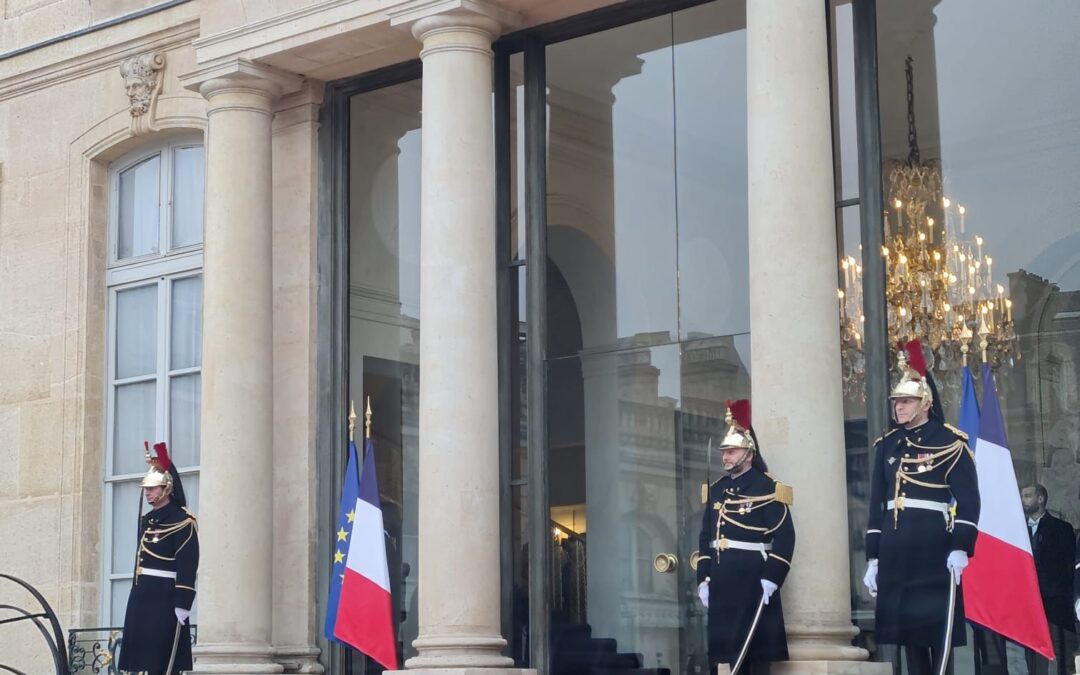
[[950, 616], [175, 644], [749, 635]]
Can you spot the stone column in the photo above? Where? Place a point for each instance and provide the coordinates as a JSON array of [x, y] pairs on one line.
[[236, 477], [795, 356], [459, 455]]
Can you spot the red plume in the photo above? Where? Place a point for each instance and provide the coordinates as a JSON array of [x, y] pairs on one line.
[[162, 460], [915, 358], [740, 412]]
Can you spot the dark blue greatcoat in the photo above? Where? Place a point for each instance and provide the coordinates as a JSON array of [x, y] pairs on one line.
[[169, 542], [746, 509], [931, 463]]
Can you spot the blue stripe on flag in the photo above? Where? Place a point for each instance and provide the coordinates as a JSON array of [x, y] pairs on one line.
[[342, 534], [369, 486], [991, 424]]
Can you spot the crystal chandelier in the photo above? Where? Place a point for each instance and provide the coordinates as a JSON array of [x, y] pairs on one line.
[[939, 282]]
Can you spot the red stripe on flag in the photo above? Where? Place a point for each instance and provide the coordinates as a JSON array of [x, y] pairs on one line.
[[1001, 593], [364, 621]]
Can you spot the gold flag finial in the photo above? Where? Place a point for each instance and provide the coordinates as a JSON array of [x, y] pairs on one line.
[[352, 419], [367, 419]]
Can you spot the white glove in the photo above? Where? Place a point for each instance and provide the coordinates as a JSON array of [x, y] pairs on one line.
[[1077, 608], [703, 593], [767, 589], [956, 563], [182, 615], [870, 578]]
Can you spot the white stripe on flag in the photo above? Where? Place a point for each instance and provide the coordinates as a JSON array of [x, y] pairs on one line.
[[1002, 514], [367, 550]]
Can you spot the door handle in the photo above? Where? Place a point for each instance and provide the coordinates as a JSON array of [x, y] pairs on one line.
[[665, 563]]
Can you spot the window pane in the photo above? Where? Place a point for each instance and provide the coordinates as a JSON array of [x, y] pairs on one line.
[[184, 419], [138, 217], [710, 137], [191, 491], [186, 323], [134, 422], [136, 331], [126, 507], [120, 591], [187, 207], [611, 230]]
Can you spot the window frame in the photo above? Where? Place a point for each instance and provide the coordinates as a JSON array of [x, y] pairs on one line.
[[161, 270], [167, 151]]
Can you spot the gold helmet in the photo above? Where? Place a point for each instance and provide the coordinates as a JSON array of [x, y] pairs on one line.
[[158, 475], [913, 381], [738, 420]]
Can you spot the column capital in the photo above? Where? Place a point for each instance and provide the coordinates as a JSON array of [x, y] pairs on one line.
[[425, 18], [242, 74]]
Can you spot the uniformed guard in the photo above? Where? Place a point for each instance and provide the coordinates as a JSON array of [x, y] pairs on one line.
[[747, 540], [156, 630], [924, 506]]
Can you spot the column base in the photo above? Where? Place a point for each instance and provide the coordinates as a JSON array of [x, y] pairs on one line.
[[448, 653], [302, 659], [234, 659]]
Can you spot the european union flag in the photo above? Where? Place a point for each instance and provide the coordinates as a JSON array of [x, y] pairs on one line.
[[350, 490]]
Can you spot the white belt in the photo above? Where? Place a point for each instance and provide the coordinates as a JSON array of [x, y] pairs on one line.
[[905, 503], [725, 544], [151, 572]]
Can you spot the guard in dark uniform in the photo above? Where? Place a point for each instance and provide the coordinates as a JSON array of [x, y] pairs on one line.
[[156, 623], [924, 507], [747, 540]]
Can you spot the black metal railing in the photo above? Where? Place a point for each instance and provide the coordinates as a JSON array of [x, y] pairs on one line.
[[51, 634], [97, 650]]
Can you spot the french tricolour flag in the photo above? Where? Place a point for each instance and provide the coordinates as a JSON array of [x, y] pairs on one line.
[[364, 620], [1001, 591]]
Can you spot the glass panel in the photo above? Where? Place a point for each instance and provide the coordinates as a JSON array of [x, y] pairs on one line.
[[519, 526], [191, 491], [996, 112], [187, 197], [611, 189], [384, 329], [136, 331], [846, 146], [120, 591], [519, 407], [852, 319], [710, 137], [137, 219], [517, 157], [184, 416], [127, 507], [133, 422], [186, 337]]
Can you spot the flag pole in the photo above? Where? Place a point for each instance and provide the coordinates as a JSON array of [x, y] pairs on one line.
[[352, 419], [367, 420]]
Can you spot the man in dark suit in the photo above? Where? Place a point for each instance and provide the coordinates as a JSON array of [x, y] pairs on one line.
[[1054, 547]]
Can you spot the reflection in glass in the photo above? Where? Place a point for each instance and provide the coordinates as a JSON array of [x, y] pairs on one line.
[[187, 196], [997, 102], [126, 504], [384, 322], [184, 416], [186, 338], [134, 421], [136, 331], [137, 226]]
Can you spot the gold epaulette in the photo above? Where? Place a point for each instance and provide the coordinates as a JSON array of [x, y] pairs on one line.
[[956, 431], [189, 513], [704, 493], [784, 494]]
